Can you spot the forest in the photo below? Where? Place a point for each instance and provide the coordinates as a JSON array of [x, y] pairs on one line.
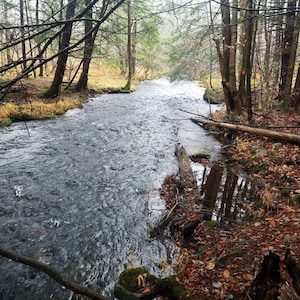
[[245, 53], [249, 46]]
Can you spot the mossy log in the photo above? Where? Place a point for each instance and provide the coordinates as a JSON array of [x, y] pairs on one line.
[[139, 284]]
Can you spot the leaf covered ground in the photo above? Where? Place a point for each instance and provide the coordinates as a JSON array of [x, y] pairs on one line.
[[219, 263]]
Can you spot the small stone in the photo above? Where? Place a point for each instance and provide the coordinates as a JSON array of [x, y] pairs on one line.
[[277, 145], [262, 152]]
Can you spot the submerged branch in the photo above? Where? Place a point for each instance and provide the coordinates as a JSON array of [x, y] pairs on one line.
[[53, 273]]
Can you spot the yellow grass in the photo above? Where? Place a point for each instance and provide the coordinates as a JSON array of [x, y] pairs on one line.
[[34, 111], [29, 104]]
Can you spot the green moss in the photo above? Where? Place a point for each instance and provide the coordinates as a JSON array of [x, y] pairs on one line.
[[201, 249], [211, 96], [171, 288], [248, 162], [129, 278], [215, 128], [225, 258], [200, 155], [210, 224], [285, 192], [5, 122], [295, 200]]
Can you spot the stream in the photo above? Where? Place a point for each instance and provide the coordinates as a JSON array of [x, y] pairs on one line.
[[80, 192]]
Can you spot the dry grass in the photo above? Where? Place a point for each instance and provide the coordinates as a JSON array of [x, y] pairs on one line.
[[28, 103]]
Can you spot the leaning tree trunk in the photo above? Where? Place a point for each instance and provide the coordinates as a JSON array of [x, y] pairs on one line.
[[54, 90], [87, 52]]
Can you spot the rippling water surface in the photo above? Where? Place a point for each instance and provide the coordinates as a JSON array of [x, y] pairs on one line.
[[81, 192]]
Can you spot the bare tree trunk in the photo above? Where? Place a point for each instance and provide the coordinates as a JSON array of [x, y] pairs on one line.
[[292, 62], [129, 47], [227, 57], [232, 58], [278, 21], [286, 54], [87, 52], [37, 20], [54, 90], [296, 91], [134, 34], [22, 33], [266, 63], [6, 34]]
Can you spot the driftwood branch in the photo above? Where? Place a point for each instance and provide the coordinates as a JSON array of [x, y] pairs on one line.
[[53, 273], [276, 135]]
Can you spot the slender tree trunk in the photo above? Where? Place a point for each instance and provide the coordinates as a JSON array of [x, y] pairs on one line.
[[134, 34], [293, 56], [232, 59], [266, 63], [6, 34], [227, 59], [37, 20], [129, 47], [22, 33], [296, 91], [87, 53], [285, 82], [28, 17], [54, 90], [277, 22]]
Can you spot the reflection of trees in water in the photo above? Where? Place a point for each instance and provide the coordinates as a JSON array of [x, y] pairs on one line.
[[224, 194]]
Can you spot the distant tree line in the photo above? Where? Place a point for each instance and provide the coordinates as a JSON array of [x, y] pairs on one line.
[[39, 36], [254, 45]]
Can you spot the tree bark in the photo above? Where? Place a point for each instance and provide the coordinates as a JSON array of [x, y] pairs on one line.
[[296, 91], [266, 285], [287, 51], [87, 52], [54, 90], [276, 135], [129, 47]]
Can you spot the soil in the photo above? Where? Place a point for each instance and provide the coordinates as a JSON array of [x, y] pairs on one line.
[[219, 263]]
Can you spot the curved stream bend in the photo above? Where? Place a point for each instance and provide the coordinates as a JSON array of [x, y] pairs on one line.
[[81, 191]]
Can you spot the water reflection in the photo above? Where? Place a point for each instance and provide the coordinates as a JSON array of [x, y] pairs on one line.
[[224, 194]]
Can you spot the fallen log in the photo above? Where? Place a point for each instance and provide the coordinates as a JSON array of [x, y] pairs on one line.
[[275, 135]]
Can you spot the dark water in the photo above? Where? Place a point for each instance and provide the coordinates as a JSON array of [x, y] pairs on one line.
[[81, 192], [225, 194]]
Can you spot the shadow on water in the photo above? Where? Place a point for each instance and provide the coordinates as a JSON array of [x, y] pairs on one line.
[[224, 194]]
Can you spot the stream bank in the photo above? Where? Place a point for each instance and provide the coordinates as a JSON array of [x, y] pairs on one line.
[[224, 247]]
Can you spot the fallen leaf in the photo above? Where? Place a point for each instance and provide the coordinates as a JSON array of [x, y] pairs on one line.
[[210, 265], [226, 274]]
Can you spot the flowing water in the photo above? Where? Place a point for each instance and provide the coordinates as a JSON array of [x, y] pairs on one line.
[[81, 192]]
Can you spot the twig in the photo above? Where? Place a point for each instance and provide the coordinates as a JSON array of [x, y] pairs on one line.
[[174, 206], [53, 273]]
